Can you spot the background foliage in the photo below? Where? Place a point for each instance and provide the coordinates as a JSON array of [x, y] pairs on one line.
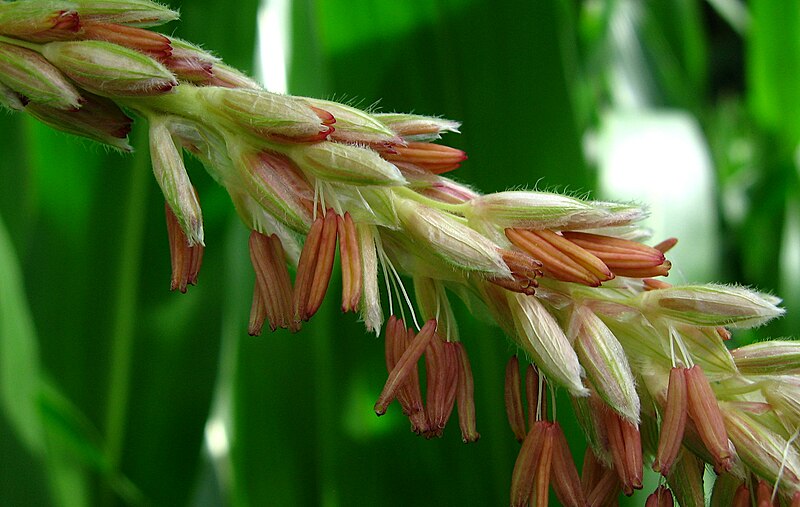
[[116, 391]]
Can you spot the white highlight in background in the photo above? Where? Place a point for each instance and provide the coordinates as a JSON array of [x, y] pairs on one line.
[[274, 44], [660, 158]]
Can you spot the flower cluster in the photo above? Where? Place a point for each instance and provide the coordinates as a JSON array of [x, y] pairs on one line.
[[571, 281]]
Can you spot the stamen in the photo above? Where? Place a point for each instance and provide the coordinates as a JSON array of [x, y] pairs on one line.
[[258, 312], [673, 422], [513, 399], [146, 41], [351, 263], [742, 497], [525, 467], [273, 286], [315, 267], [465, 398], [565, 481], [441, 364], [541, 479], [524, 270], [434, 158], [408, 394], [704, 411], [405, 365], [623, 257], [625, 445], [185, 260], [661, 497]]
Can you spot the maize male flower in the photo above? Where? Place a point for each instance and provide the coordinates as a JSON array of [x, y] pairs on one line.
[[571, 281]]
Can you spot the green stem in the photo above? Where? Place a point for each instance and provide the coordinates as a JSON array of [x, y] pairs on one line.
[[122, 334], [21, 43]]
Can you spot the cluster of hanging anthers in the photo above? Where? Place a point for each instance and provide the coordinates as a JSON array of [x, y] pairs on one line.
[[569, 280]]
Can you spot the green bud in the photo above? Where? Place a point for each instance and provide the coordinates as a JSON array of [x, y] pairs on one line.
[[266, 114], [768, 357], [354, 125], [605, 362], [142, 13], [348, 164], [710, 305], [168, 168], [543, 210], [539, 335], [38, 19], [443, 236], [108, 69], [33, 77], [99, 119]]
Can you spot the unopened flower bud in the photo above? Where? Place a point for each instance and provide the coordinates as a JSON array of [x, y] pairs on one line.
[[605, 362], [190, 63], [171, 176], [414, 127], [142, 13], [765, 452], [38, 20], [108, 69], [447, 238], [541, 336], [686, 479], [270, 115], [33, 77], [348, 164], [768, 357], [99, 119], [661, 497], [711, 305], [537, 210]]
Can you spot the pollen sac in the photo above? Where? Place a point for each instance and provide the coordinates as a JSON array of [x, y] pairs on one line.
[[442, 365], [530, 454], [315, 267], [272, 296], [673, 422], [432, 158], [398, 339], [350, 255], [405, 366], [624, 442], [704, 411], [560, 258], [108, 69], [185, 259], [623, 257], [36, 79], [465, 398], [513, 399], [661, 497], [564, 475]]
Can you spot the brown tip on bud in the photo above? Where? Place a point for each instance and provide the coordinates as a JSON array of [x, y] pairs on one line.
[[560, 258], [704, 410], [661, 497], [434, 158], [325, 117], [272, 279], [406, 364], [564, 476], [625, 445], [673, 422], [185, 260], [442, 365], [465, 398], [524, 271], [145, 41], [350, 256], [532, 395], [530, 454], [315, 267], [60, 25], [513, 399], [666, 245]]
